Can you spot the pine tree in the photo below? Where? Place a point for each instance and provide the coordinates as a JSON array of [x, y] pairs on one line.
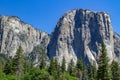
[[80, 64], [82, 70], [43, 57], [103, 72], [3, 59], [28, 65], [79, 67], [57, 69], [42, 64], [18, 63], [92, 72], [56, 65], [54, 68], [84, 73], [71, 67], [63, 66], [115, 71], [51, 68], [8, 67]]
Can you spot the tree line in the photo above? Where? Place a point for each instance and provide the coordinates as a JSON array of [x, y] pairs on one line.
[[20, 68]]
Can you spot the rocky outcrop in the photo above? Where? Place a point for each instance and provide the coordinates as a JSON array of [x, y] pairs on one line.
[[14, 32], [79, 33], [117, 47]]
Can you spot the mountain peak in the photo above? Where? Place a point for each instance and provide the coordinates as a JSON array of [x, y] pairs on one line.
[[78, 33]]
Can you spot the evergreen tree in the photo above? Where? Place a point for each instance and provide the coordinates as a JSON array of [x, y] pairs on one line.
[[71, 67], [8, 67], [37, 74], [43, 58], [92, 72], [51, 68], [80, 64], [56, 64], [42, 64], [115, 71], [3, 59], [63, 66], [18, 63], [57, 70], [54, 68], [28, 65], [103, 72], [82, 71]]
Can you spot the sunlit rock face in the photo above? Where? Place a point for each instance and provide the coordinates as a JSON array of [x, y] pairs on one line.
[[117, 47], [14, 32], [79, 33]]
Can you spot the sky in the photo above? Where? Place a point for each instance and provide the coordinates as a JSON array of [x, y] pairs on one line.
[[44, 14]]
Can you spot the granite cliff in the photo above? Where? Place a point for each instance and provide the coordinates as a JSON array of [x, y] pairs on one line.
[[78, 33], [14, 32]]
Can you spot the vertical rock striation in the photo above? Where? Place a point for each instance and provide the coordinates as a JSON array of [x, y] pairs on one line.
[[14, 32], [79, 33], [117, 47]]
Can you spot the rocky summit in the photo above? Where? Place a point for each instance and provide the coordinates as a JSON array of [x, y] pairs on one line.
[[78, 33]]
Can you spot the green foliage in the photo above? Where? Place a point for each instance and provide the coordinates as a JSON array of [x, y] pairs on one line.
[[67, 76], [43, 57], [54, 69], [103, 72], [18, 62], [20, 68], [92, 72], [3, 60], [82, 71], [80, 64], [27, 76], [11, 77], [16, 65], [8, 67], [51, 68], [115, 71], [37, 74], [57, 71], [2, 75], [63, 66], [42, 63], [40, 51], [27, 65], [71, 68]]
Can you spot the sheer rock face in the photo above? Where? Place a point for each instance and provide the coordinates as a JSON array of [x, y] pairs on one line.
[[14, 33], [79, 33], [117, 47]]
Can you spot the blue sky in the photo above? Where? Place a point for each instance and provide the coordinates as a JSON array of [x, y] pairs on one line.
[[44, 14]]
